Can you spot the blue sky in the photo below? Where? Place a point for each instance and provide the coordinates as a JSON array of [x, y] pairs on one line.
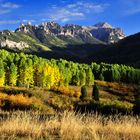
[[119, 13]]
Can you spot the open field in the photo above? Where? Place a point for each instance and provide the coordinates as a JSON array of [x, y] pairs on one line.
[[59, 113], [68, 126]]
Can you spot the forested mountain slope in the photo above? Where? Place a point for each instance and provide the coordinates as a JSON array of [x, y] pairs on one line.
[[126, 51]]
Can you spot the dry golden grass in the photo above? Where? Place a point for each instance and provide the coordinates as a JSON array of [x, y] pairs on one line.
[[68, 126], [118, 86]]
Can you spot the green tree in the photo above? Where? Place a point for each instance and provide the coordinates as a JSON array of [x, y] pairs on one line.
[[89, 77], [95, 92], [76, 79], [84, 93], [25, 73], [101, 77], [82, 76], [28, 73], [13, 75]]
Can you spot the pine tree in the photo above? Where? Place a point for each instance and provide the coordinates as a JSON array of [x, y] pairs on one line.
[[101, 77], [95, 92], [83, 92]]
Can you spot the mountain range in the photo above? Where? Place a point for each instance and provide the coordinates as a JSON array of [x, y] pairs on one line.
[[100, 42]]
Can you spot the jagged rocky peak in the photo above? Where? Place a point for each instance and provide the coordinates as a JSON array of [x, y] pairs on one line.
[[102, 31], [51, 24], [73, 26], [105, 32], [103, 25], [77, 30], [24, 27], [53, 28]]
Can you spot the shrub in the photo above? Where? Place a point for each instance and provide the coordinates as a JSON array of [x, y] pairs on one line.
[[101, 77], [83, 93], [77, 94], [19, 101], [95, 92], [65, 90]]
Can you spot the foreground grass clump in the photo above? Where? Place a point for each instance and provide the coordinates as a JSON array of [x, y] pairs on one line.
[[68, 126]]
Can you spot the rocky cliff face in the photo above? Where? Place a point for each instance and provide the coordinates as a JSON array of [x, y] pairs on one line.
[[68, 33], [105, 32], [101, 31], [13, 45], [55, 29], [7, 41]]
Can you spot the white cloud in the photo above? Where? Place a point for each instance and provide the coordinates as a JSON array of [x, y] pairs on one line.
[[3, 11], [75, 11], [15, 21], [27, 20], [96, 8], [65, 15], [6, 7], [65, 20], [10, 5], [9, 21]]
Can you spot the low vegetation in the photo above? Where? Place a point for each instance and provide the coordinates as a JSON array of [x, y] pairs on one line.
[[61, 98], [68, 125]]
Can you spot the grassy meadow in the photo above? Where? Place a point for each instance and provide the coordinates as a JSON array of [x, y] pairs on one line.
[[68, 126], [59, 113]]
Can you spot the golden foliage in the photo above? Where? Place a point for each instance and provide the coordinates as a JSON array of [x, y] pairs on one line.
[[2, 81], [19, 100], [49, 76], [66, 90]]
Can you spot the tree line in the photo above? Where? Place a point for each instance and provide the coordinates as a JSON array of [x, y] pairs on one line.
[[29, 70]]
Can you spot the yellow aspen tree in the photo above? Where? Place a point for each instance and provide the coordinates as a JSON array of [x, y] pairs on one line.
[[2, 74]]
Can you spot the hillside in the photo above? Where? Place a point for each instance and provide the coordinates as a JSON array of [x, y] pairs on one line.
[[126, 51], [35, 40], [50, 40]]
